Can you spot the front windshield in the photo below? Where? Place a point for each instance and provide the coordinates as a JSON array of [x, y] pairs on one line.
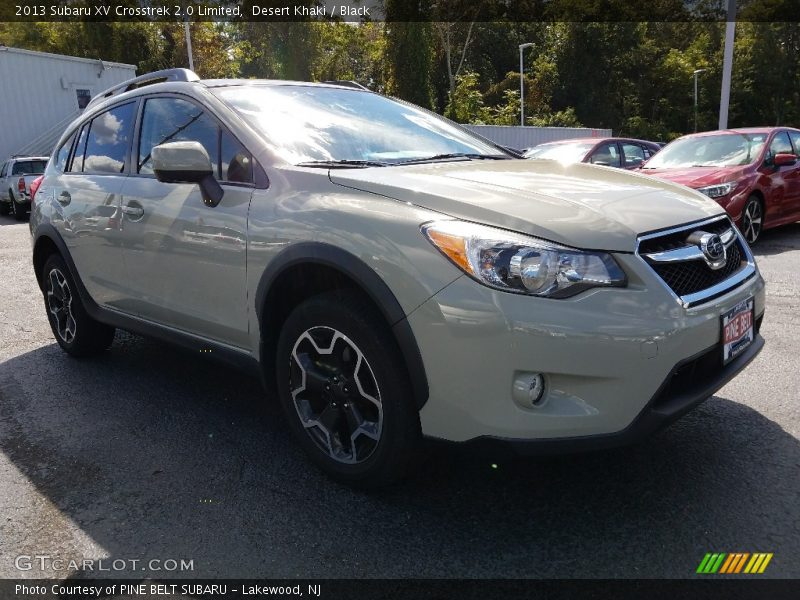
[[305, 124], [724, 150], [566, 152]]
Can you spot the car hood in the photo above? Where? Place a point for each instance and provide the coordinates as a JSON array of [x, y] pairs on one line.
[[577, 204], [697, 177]]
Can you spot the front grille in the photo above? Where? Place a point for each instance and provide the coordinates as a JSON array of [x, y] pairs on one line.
[[692, 275], [695, 275], [678, 239]]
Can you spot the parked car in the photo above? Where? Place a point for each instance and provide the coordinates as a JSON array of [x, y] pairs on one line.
[[610, 152], [752, 173], [390, 275], [16, 176]]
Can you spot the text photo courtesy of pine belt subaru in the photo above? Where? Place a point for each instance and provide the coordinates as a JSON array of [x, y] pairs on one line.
[[392, 276], [753, 173]]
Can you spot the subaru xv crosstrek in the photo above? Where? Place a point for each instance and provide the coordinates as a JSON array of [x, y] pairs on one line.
[[391, 276]]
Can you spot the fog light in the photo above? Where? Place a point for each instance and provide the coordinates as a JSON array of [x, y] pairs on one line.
[[528, 390]]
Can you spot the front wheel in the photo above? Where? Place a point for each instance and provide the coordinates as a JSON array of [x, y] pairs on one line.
[[75, 331], [752, 219], [345, 392]]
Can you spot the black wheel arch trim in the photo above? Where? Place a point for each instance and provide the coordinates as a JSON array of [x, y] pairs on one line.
[[227, 354], [371, 283]]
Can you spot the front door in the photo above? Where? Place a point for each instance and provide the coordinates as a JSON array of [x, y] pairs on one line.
[[186, 261]]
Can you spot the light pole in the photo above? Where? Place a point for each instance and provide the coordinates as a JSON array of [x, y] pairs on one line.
[[522, 84], [695, 74]]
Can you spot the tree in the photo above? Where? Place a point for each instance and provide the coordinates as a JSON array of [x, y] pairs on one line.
[[408, 51]]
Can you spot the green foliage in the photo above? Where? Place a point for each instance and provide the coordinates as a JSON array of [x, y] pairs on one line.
[[633, 77]]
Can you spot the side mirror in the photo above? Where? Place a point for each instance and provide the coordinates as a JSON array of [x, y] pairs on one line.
[[784, 160], [187, 162]]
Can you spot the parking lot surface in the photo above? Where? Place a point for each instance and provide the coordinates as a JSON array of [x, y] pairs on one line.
[[152, 453]]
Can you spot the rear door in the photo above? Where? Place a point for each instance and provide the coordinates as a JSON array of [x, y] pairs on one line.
[[185, 260], [87, 189], [784, 181], [793, 206]]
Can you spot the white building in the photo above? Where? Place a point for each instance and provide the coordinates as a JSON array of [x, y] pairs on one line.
[[41, 93]]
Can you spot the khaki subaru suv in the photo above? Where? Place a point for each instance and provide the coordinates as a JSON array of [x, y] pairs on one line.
[[392, 277]]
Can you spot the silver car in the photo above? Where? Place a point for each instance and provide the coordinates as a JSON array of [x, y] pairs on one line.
[[391, 276]]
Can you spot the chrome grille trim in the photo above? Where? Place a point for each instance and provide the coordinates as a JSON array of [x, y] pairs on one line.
[[731, 236]]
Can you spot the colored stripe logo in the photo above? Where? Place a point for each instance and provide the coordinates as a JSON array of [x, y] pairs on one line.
[[734, 562]]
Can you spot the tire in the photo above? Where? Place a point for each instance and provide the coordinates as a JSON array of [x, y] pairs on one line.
[[753, 219], [5, 208], [18, 210], [75, 331], [339, 367]]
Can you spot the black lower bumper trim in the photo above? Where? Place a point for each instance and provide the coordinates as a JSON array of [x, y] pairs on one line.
[[689, 383]]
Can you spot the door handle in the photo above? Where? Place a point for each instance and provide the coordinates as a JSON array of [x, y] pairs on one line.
[[64, 198], [133, 211]]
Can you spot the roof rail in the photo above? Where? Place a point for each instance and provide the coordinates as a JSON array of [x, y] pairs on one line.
[[146, 79], [352, 84]]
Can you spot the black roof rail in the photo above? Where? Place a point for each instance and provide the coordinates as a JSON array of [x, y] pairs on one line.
[[146, 79], [352, 84]]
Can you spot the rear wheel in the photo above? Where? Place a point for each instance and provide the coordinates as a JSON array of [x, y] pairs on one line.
[[752, 219], [5, 207], [19, 211], [345, 392], [75, 331]]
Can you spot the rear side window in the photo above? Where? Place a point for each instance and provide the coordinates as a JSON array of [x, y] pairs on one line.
[[175, 120], [108, 140], [634, 155], [63, 153], [77, 160], [29, 167], [795, 136]]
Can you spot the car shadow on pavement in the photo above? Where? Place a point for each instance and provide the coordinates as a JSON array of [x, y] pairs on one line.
[[778, 240], [10, 220], [154, 453]]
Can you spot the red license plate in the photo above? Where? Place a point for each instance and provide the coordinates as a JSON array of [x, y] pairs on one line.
[[737, 330]]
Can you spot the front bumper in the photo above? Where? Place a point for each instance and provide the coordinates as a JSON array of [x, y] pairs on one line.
[[689, 384], [609, 358]]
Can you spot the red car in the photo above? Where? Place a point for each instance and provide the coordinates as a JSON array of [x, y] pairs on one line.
[[625, 153], [753, 173]]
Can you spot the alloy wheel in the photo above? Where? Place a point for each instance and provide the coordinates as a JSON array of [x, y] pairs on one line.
[[59, 303], [751, 221], [336, 394]]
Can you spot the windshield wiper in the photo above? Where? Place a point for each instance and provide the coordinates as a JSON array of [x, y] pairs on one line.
[[343, 164], [449, 155]]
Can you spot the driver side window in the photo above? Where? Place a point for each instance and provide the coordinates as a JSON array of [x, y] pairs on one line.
[[175, 120], [607, 154], [780, 144]]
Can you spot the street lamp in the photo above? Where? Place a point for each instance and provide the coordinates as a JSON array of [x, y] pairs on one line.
[[522, 84], [695, 74]]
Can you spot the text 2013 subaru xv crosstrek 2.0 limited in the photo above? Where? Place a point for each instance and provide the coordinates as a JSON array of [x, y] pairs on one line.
[[392, 276]]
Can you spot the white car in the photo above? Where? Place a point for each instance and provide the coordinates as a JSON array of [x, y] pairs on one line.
[[16, 176]]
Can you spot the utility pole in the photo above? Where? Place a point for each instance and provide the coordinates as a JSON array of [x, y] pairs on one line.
[[188, 43], [522, 84], [727, 65]]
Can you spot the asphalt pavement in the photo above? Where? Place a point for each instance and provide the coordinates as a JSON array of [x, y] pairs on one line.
[[151, 453]]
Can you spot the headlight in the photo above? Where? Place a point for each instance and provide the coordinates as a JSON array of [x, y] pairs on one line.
[[718, 191], [518, 263]]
